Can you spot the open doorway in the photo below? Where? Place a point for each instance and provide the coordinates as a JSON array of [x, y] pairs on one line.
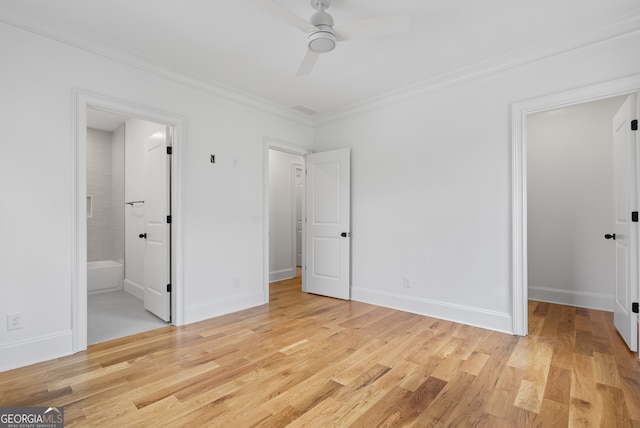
[[326, 229], [120, 245], [570, 204], [520, 113], [163, 150], [286, 200]]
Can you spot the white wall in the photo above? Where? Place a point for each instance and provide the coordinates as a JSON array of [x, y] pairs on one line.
[[570, 204], [431, 185], [136, 133], [282, 214], [221, 240]]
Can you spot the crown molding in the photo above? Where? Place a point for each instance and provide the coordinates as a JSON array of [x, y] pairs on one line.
[[31, 21], [587, 36], [39, 24]]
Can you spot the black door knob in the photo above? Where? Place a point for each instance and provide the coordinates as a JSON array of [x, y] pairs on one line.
[[345, 234], [142, 235], [610, 236]]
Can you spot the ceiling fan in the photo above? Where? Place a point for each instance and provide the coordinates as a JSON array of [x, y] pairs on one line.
[[322, 37]]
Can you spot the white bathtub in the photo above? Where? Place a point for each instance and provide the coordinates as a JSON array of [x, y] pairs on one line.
[[104, 276]]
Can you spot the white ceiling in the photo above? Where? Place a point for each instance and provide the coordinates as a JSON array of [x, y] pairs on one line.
[[104, 120], [235, 44]]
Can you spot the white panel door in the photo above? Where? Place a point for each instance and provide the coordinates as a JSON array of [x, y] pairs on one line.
[[625, 238], [157, 298], [327, 271]]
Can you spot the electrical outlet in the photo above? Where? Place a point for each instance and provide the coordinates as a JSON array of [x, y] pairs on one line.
[[236, 283], [407, 282], [14, 321]]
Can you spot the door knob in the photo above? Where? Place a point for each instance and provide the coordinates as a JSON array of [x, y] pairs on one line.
[[142, 235], [610, 236], [345, 234]]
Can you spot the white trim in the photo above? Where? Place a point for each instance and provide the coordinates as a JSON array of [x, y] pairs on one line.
[[37, 23], [35, 350], [294, 201], [273, 144], [582, 299], [491, 320], [82, 100], [519, 112], [519, 311], [292, 180], [134, 289], [281, 274], [587, 36]]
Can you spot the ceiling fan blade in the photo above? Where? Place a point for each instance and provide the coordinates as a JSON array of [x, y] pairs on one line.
[[276, 9], [373, 27], [308, 62]]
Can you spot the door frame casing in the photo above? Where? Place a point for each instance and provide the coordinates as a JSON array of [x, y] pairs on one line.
[[83, 100], [273, 144], [519, 113], [294, 212]]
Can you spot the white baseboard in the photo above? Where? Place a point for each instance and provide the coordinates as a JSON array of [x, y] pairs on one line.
[[134, 288], [490, 320], [215, 308], [583, 299], [279, 275], [36, 350]]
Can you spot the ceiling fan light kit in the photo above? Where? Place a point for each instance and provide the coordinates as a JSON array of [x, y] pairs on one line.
[[322, 41], [322, 37]]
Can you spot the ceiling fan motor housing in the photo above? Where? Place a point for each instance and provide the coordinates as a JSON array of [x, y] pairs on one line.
[[323, 40]]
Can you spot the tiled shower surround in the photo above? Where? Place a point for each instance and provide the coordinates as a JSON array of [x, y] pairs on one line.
[[105, 186]]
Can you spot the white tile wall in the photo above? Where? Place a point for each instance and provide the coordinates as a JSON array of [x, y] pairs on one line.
[[117, 193], [105, 182]]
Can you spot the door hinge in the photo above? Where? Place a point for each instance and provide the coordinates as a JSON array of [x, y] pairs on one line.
[[169, 150], [634, 216], [168, 288], [634, 125], [168, 219], [634, 307]]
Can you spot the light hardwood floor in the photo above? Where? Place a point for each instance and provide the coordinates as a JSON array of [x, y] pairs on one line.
[[305, 360]]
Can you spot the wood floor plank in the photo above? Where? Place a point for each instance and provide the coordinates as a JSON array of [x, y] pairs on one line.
[[553, 414], [475, 363], [306, 360], [552, 319], [531, 392], [583, 379], [563, 345], [605, 369], [558, 387], [447, 401], [501, 399], [610, 407], [631, 389]]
